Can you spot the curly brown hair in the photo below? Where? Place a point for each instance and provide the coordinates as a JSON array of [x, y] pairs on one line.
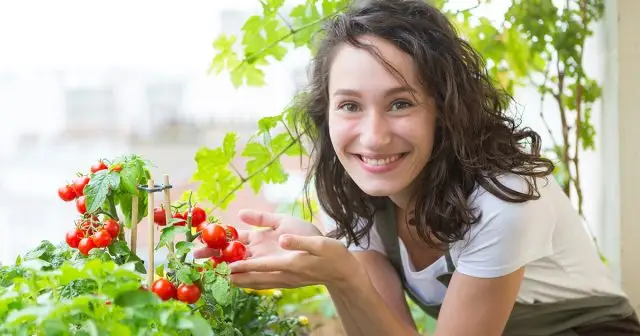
[[475, 140]]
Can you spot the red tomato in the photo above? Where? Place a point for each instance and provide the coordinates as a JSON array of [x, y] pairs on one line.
[[216, 260], [86, 244], [116, 167], [188, 293], [112, 226], [232, 233], [81, 204], [198, 216], [182, 216], [73, 237], [164, 289], [66, 193], [159, 216], [98, 166], [79, 184], [234, 251], [214, 236], [101, 238]]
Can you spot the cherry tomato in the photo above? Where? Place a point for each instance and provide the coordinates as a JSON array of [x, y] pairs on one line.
[[101, 238], [116, 167], [164, 289], [159, 216], [79, 184], [234, 251], [112, 226], [98, 166], [232, 233], [182, 216], [86, 245], [81, 205], [73, 237], [188, 293], [198, 216], [66, 193], [214, 236], [216, 260]]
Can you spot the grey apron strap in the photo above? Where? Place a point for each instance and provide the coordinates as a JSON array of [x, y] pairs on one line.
[[385, 224]]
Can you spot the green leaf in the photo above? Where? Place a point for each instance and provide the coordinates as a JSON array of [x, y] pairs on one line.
[[183, 247], [136, 298], [220, 290], [229, 145], [126, 203], [168, 233], [98, 188], [130, 175], [196, 324], [187, 274]]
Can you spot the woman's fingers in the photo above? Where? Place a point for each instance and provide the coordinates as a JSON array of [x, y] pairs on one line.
[[205, 252], [261, 219], [260, 280], [275, 263]]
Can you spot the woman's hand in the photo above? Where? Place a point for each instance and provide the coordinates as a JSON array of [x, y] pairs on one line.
[[264, 240], [287, 253]]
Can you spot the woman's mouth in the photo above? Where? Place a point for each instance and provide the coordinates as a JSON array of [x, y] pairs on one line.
[[380, 163]]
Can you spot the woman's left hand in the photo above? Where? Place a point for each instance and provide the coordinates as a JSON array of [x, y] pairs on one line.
[[307, 260]]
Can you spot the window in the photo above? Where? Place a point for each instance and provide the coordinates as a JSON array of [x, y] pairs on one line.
[[165, 103], [89, 107]]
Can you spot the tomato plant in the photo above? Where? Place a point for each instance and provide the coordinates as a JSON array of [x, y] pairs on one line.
[[93, 283]]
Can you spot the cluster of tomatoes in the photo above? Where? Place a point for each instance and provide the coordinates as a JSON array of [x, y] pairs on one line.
[[165, 290], [216, 236], [90, 232]]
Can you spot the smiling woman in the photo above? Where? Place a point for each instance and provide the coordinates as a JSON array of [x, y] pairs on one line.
[[434, 190]]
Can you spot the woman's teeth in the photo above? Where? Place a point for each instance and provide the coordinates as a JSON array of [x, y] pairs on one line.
[[380, 162]]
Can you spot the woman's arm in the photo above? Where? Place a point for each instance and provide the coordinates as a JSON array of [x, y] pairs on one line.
[[485, 304], [372, 301]]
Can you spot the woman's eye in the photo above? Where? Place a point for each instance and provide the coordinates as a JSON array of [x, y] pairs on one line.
[[349, 107], [400, 105]]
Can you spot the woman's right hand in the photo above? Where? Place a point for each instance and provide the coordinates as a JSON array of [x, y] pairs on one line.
[[264, 241]]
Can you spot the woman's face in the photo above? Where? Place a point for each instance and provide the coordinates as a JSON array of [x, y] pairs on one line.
[[381, 129]]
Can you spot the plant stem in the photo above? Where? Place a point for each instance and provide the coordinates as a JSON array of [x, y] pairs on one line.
[[258, 171]]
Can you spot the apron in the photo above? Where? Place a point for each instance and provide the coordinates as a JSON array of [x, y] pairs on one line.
[[604, 315]]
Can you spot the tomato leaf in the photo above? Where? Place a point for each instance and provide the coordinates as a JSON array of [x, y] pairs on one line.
[[196, 324], [98, 189], [183, 248], [125, 206], [130, 175], [168, 233], [136, 298], [187, 274]]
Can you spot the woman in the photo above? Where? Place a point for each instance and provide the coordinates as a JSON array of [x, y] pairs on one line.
[[429, 185]]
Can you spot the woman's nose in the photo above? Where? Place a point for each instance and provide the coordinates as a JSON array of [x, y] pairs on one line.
[[375, 131]]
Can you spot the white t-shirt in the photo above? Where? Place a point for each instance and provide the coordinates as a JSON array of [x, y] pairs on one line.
[[546, 236]]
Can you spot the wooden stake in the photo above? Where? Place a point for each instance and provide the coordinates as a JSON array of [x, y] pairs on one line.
[[151, 241], [134, 223], [167, 208]]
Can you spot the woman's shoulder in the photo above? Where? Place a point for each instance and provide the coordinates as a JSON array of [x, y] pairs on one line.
[[509, 234]]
